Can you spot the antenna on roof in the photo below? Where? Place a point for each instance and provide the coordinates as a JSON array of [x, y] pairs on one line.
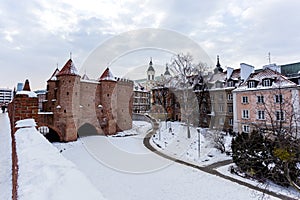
[[57, 65], [70, 55], [269, 58]]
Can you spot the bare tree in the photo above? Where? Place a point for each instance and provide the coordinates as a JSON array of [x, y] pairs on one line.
[[187, 75], [272, 150]]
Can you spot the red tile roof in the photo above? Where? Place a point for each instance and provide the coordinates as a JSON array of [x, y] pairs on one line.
[[107, 75], [53, 76], [68, 69]]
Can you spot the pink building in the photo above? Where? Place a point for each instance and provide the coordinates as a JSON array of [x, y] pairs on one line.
[[265, 99]]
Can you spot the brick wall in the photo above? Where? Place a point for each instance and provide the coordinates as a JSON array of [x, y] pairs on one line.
[[21, 107]]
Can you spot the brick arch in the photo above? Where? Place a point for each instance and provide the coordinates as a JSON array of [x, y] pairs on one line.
[[60, 135], [87, 129]]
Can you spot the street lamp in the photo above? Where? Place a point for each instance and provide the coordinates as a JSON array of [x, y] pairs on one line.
[[198, 130]]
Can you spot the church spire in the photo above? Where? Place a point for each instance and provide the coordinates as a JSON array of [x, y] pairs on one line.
[[150, 68], [218, 66]]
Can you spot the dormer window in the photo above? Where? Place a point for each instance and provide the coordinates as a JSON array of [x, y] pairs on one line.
[[219, 84], [266, 82], [251, 84], [230, 84]]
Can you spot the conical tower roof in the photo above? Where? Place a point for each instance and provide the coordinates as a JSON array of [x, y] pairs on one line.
[[53, 76], [68, 69], [85, 77], [107, 75], [26, 86]]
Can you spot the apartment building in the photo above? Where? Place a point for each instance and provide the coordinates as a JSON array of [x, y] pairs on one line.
[[5, 95], [266, 98]]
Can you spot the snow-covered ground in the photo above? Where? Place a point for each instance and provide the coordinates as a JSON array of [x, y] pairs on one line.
[[44, 173], [176, 144], [118, 167], [5, 158], [122, 168]]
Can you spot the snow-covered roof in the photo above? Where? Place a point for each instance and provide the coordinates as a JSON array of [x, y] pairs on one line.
[[68, 69], [53, 76], [107, 76], [28, 93], [85, 77], [278, 80]]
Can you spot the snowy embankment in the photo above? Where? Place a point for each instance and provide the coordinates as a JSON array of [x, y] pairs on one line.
[[44, 173], [5, 158], [268, 185], [174, 142]]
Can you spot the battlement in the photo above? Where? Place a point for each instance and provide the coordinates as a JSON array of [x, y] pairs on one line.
[[124, 81]]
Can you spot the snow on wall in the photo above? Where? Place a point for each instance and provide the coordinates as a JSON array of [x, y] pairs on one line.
[[28, 93], [45, 174]]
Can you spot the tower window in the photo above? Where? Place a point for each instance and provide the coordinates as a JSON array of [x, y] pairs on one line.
[[152, 77], [148, 77]]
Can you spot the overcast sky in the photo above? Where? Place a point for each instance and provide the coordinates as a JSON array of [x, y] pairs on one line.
[[36, 35]]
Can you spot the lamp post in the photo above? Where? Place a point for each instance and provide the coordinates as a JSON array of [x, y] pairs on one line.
[[199, 151], [159, 134]]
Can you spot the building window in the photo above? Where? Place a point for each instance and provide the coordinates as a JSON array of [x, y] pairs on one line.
[[229, 97], [152, 77], [231, 121], [230, 109], [278, 98], [212, 97], [244, 99], [221, 108], [246, 129], [245, 114], [230, 84], [221, 121], [221, 96], [251, 84], [266, 82], [219, 85], [260, 99], [279, 115], [261, 114]]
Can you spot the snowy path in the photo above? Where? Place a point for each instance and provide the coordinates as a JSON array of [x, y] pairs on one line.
[[163, 180], [5, 158]]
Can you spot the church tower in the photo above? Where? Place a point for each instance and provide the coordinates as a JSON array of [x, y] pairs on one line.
[[218, 66], [167, 74], [150, 71]]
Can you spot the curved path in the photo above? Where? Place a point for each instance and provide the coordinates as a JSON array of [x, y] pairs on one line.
[[208, 169]]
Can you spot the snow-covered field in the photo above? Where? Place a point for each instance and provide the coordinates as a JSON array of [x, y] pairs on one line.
[[117, 168], [109, 162], [5, 158], [176, 144]]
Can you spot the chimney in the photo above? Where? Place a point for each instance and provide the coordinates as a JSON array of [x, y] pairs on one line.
[[229, 72], [26, 86], [246, 70]]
